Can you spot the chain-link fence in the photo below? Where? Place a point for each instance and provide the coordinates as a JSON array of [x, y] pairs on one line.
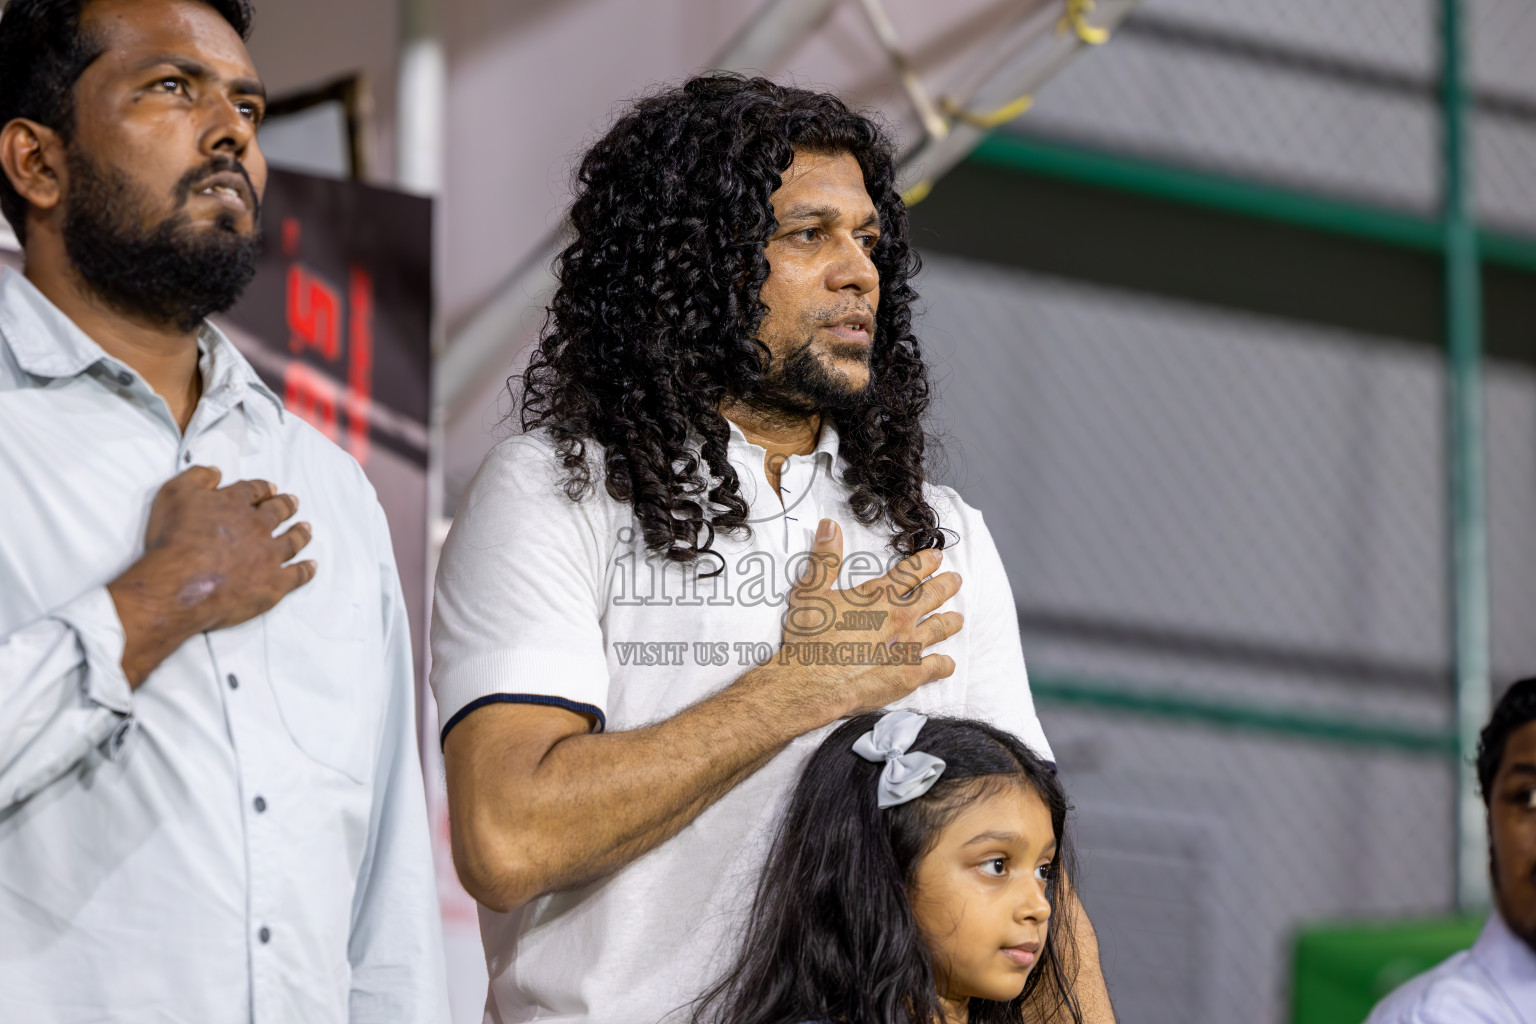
[[1504, 76], [1227, 521], [1339, 97], [1226, 539]]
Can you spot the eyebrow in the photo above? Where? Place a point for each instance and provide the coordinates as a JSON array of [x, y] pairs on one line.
[[1006, 838], [806, 211], [196, 69], [1524, 767]]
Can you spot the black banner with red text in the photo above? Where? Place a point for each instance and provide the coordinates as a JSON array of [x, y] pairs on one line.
[[338, 321]]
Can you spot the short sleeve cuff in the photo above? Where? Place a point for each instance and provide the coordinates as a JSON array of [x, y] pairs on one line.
[[93, 618], [576, 682]]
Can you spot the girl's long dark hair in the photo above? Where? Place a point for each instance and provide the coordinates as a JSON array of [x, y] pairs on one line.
[[656, 316], [832, 937]]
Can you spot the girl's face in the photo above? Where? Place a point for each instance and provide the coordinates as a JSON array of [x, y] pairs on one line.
[[979, 896]]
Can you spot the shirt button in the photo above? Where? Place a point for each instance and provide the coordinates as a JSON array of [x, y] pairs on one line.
[[125, 379], [186, 458], [234, 681], [260, 804], [265, 935]]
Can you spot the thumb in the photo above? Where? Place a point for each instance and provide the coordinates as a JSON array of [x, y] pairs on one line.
[[829, 539], [826, 555]]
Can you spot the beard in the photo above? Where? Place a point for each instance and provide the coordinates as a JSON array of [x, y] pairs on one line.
[[1516, 908], [168, 275], [803, 384]]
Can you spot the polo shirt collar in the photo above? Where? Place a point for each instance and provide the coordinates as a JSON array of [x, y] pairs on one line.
[[46, 343], [223, 367], [827, 443]]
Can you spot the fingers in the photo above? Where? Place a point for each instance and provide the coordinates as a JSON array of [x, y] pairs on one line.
[[296, 575], [935, 592], [253, 492], [938, 628], [931, 669], [278, 509], [907, 574], [926, 597], [294, 539], [935, 667], [896, 682]]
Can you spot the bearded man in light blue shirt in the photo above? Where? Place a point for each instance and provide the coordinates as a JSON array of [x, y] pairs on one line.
[[211, 806], [1495, 981]]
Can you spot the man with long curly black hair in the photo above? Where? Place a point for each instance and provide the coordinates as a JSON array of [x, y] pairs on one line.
[[647, 611]]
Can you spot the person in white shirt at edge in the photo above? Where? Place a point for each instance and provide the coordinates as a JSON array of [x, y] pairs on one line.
[[726, 400], [211, 807], [1494, 982]]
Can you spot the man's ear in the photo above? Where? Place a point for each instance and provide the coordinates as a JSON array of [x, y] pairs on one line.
[[32, 156]]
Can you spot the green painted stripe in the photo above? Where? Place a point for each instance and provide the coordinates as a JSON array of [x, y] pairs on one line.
[[1176, 184], [1212, 191], [1510, 251], [1248, 717]]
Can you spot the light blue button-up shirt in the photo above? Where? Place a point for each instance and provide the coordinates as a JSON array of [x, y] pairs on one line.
[[1494, 982], [244, 837]]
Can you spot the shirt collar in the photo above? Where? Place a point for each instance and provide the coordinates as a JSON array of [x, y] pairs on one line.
[[827, 443], [46, 343], [1508, 960], [224, 367]]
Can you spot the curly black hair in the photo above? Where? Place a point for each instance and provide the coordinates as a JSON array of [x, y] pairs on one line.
[[1516, 708], [43, 52], [656, 318]]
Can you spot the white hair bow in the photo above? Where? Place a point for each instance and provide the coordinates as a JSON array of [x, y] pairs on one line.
[[908, 773]]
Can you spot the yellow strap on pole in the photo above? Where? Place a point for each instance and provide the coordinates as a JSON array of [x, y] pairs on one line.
[[917, 193], [885, 32], [1076, 20], [991, 118]]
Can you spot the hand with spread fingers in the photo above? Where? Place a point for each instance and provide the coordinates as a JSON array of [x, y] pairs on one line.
[[901, 610]]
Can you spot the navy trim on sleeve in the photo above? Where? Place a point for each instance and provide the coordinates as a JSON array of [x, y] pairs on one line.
[[526, 698]]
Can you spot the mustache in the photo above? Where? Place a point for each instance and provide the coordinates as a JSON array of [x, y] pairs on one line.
[[831, 314], [216, 165]]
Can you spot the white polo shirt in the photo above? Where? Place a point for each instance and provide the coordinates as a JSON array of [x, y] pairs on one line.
[[548, 601], [1494, 982]]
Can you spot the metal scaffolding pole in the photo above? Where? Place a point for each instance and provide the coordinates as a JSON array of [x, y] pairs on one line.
[[419, 114], [480, 346], [422, 87], [1468, 498]]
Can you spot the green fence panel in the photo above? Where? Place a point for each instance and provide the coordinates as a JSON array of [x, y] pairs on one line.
[[1342, 971]]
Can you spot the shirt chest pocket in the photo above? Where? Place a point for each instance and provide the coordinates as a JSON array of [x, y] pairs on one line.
[[324, 656]]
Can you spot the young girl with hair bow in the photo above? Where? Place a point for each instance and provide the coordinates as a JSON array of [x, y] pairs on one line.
[[912, 881]]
